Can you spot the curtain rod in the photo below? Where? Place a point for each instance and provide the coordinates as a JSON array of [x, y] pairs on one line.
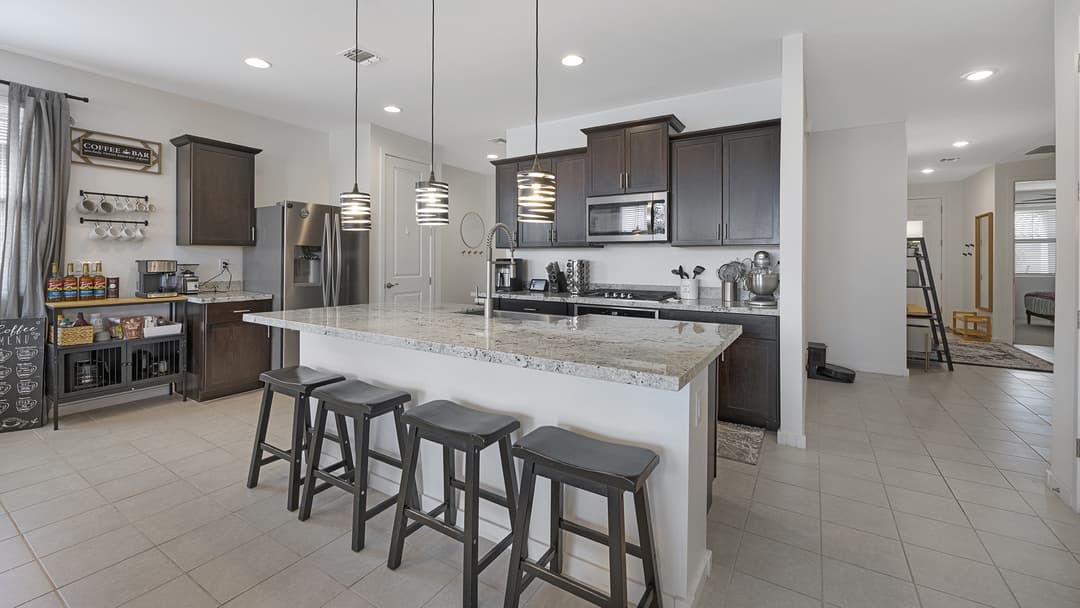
[[68, 95]]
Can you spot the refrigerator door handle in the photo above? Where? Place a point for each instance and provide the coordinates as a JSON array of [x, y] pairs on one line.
[[326, 261], [337, 258]]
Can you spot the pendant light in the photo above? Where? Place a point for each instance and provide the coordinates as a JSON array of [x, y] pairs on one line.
[[356, 205], [432, 197], [536, 187]]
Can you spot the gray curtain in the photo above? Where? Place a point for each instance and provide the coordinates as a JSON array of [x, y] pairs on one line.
[[39, 168]]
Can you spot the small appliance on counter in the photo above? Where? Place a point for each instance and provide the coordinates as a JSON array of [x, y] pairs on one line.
[[187, 282], [157, 279], [762, 280], [508, 274], [577, 276]]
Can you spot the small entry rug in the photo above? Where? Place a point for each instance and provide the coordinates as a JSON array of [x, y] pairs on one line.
[[739, 442], [996, 354]]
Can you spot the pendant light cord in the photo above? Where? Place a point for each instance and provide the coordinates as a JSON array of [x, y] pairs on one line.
[[432, 90], [536, 92], [356, 97]]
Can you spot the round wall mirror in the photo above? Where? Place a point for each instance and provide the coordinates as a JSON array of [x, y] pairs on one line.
[[472, 230]]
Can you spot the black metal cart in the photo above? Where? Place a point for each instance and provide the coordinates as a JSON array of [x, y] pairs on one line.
[[98, 369]]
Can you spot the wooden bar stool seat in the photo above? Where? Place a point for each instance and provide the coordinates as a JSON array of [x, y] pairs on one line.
[[361, 402], [600, 467], [297, 382], [456, 427]]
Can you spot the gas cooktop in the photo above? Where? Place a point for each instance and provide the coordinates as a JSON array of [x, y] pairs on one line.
[[641, 295]]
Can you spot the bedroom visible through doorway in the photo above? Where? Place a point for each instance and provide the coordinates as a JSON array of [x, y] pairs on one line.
[[1035, 261]]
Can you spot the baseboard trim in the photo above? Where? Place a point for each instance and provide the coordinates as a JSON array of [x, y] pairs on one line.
[[1064, 491], [794, 440]]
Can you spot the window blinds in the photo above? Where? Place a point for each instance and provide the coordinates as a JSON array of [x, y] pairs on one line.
[[1035, 234]]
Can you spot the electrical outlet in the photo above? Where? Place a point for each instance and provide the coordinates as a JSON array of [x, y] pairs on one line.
[[223, 263]]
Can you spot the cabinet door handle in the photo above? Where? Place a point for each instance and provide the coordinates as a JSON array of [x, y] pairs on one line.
[[727, 231], [241, 311], [528, 309], [252, 234], [719, 231]]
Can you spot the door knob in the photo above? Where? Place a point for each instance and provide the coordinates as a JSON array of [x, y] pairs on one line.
[[390, 285]]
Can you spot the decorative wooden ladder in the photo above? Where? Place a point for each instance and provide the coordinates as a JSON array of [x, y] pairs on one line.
[[930, 297]]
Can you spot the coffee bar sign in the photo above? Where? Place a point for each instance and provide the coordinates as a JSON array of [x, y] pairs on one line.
[[22, 373], [115, 151]]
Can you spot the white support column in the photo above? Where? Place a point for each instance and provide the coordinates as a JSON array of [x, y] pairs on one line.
[[792, 235]]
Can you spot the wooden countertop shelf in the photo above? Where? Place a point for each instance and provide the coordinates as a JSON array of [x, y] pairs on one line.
[[113, 302]]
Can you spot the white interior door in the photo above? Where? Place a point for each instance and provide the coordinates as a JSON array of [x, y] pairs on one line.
[[408, 249], [928, 210]]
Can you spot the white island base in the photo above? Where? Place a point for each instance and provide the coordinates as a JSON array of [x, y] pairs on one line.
[[674, 424]]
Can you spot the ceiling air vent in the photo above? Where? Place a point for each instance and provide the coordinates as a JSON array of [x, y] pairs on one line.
[[1047, 149], [950, 159], [498, 140], [361, 56]]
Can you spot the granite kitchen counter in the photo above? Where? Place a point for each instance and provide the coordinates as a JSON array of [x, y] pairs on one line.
[[642, 352], [699, 305], [216, 297]]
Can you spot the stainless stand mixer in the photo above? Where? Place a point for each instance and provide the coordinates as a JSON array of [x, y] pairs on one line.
[[762, 280]]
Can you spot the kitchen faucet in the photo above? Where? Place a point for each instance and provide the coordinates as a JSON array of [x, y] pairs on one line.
[[489, 302]]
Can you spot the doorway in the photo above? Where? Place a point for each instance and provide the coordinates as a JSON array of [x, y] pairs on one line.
[[1035, 266], [408, 250]]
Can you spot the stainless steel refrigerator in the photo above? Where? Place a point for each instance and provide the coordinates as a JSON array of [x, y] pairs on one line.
[[304, 258]]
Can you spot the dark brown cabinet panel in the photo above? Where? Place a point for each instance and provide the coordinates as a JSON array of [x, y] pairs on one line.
[[505, 201], [748, 374], [225, 354], [752, 187], [542, 307], [215, 192], [570, 213], [630, 157], [696, 191], [606, 162]]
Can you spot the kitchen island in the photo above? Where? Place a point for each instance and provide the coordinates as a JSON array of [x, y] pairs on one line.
[[636, 381]]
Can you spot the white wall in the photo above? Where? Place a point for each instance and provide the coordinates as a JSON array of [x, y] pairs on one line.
[[650, 264], [1063, 475], [979, 198], [855, 230], [951, 288], [462, 268], [293, 163]]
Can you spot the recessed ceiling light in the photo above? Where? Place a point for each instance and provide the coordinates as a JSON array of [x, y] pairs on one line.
[[391, 109], [928, 170], [960, 144], [572, 61], [981, 74], [257, 62], [492, 156]]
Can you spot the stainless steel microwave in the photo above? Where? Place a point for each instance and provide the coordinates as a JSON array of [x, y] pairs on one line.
[[628, 218]]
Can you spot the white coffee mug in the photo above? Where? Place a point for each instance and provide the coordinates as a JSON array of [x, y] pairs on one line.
[[116, 232], [106, 207], [87, 206], [129, 232], [140, 233], [98, 232], [140, 206]]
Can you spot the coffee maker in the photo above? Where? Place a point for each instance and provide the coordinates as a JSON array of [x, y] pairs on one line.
[[508, 274], [157, 279]]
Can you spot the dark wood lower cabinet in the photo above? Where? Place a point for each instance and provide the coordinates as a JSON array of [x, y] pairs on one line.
[[225, 354], [748, 375]]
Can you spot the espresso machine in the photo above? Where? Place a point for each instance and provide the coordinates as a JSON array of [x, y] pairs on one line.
[[508, 274], [157, 279]]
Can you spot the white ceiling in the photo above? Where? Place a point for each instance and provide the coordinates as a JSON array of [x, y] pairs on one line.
[[867, 61]]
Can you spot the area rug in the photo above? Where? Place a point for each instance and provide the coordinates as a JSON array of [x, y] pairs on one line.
[[996, 354], [739, 442]]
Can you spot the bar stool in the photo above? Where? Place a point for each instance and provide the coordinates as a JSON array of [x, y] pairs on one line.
[[362, 402], [297, 382], [603, 468], [456, 427]]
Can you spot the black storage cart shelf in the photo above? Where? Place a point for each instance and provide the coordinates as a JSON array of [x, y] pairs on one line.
[[86, 371]]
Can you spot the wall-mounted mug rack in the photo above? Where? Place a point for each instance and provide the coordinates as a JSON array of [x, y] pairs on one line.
[[84, 220], [131, 203], [114, 194]]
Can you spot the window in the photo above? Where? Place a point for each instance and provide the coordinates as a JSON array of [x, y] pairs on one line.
[[1036, 238]]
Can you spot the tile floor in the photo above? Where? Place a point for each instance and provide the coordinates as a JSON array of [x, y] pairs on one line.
[[922, 491]]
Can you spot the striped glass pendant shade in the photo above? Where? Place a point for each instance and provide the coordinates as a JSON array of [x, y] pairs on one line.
[[432, 202], [536, 196], [355, 210]]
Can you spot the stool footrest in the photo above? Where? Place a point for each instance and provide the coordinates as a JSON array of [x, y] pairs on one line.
[[542, 561], [436, 524], [276, 451], [385, 458], [379, 508], [595, 536], [585, 592], [487, 495], [494, 552]]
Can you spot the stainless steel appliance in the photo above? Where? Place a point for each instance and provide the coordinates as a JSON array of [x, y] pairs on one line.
[[157, 279], [615, 311], [187, 282], [640, 295], [627, 218], [508, 274], [304, 258], [762, 280]]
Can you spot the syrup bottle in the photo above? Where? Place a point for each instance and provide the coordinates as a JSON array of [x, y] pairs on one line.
[[86, 283], [71, 284], [100, 282], [54, 285]]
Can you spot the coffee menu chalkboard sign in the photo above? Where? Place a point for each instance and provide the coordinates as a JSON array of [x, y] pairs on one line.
[[22, 373]]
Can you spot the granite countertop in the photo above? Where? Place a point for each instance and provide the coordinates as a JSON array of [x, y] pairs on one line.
[[652, 353], [214, 297], [700, 305]]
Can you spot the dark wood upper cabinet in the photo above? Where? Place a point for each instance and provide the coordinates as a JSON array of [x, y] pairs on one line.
[[570, 214], [696, 191], [215, 192], [531, 234], [505, 201], [630, 156], [752, 187], [725, 186]]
